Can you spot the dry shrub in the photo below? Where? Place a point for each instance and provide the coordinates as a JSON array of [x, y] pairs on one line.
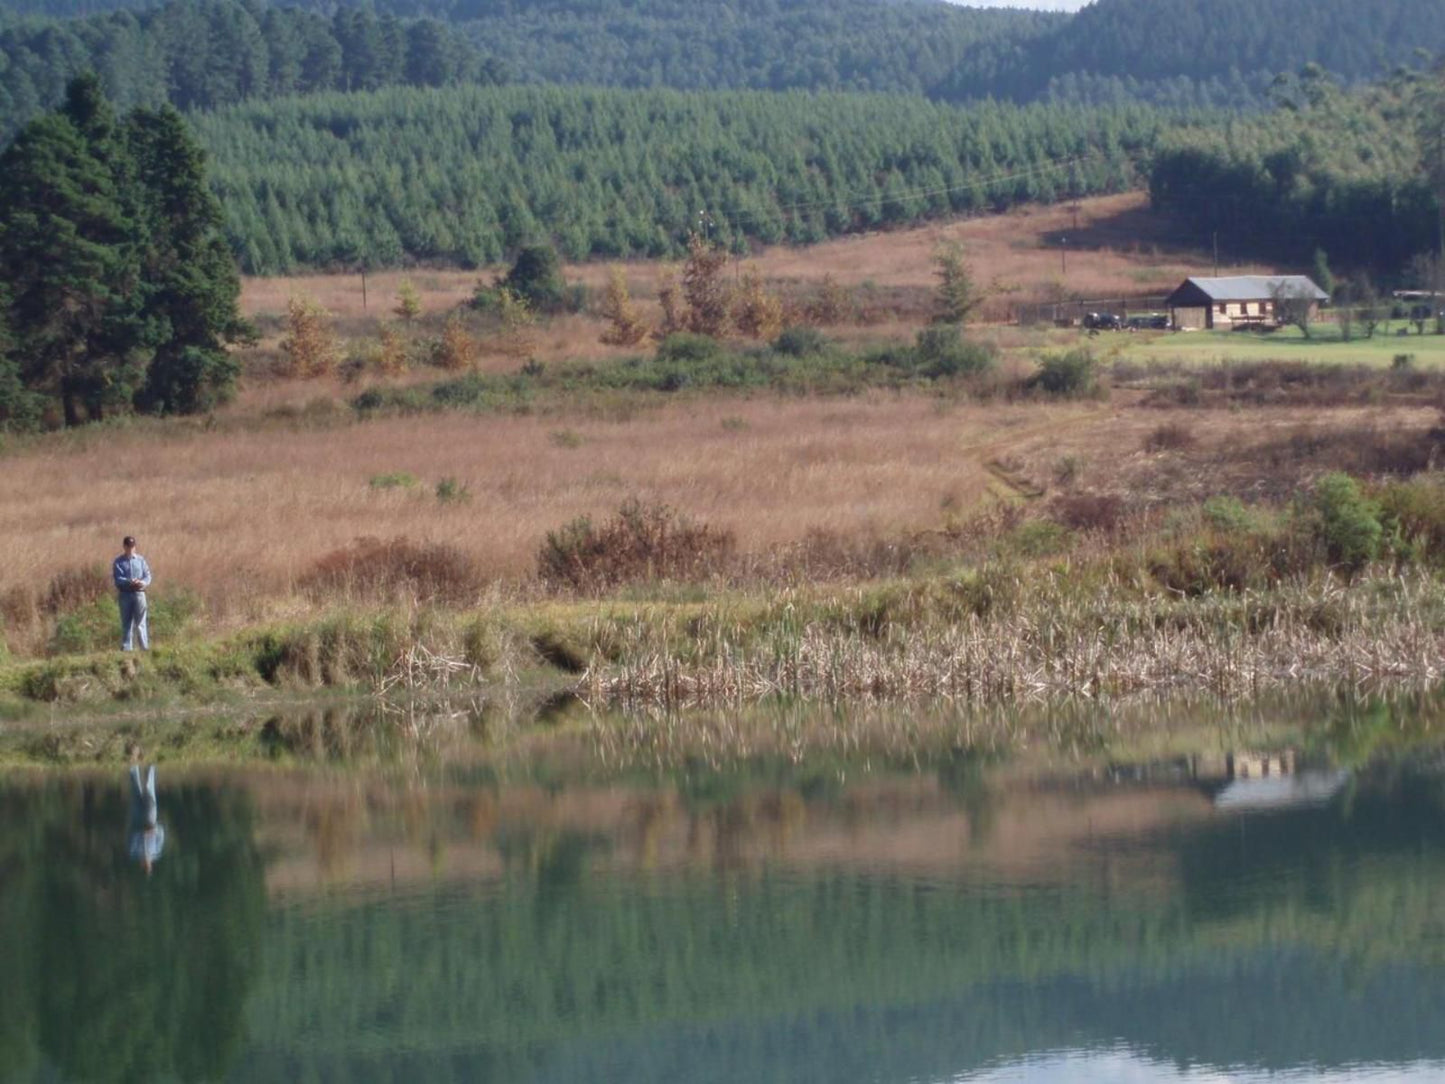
[[708, 296], [1102, 512], [641, 543], [674, 313], [757, 312], [391, 359], [456, 350], [1169, 437], [833, 303], [625, 323], [310, 348], [1360, 450], [1290, 383], [73, 588], [372, 568]]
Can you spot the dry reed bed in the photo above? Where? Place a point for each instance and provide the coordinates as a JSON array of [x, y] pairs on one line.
[[1059, 644]]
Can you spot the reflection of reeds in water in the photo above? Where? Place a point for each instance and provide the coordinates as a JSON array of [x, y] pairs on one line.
[[1057, 643]]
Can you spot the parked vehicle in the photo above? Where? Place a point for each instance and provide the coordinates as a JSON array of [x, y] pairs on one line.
[[1148, 321], [1103, 321]]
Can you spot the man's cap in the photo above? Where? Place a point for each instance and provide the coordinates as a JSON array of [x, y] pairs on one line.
[[128, 540]]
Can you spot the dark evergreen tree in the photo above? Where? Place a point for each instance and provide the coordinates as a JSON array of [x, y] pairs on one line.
[[122, 286], [190, 285], [69, 257], [536, 277]]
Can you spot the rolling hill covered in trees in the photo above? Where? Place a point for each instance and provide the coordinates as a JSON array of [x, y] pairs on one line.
[[1185, 53], [467, 174], [1347, 172]]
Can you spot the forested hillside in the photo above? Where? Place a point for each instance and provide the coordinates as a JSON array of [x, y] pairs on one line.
[[203, 53], [1331, 169], [1209, 51], [466, 174], [1188, 53]]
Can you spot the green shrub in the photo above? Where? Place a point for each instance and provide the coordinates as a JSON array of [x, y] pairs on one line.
[[1038, 538], [688, 347], [1070, 375], [942, 351], [1413, 516], [1228, 514], [1348, 522], [799, 341]]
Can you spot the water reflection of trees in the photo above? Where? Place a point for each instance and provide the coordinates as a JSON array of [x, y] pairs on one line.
[[108, 974], [1234, 967]]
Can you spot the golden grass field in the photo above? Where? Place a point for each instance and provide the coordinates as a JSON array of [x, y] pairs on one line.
[[237, 516]]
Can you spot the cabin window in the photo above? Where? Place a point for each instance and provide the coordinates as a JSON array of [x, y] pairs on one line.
[[1223, 308]]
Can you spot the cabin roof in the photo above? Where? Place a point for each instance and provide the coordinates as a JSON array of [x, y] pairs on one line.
[[1246, 288]]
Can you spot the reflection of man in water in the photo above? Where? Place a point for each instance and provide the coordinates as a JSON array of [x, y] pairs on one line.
[[147, 837]]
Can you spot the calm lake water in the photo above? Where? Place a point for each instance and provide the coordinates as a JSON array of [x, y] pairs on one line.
[[1267, 915]]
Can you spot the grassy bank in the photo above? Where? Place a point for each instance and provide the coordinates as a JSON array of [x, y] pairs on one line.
[[995, 634]]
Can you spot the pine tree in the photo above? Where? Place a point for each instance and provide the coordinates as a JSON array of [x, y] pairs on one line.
[[408, 302], [956, 296], [191, 289], [69, 254]]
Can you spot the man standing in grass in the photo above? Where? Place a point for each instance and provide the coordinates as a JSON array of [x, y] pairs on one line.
[[132, 576]]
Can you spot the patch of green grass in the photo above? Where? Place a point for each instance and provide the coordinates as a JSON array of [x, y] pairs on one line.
[[1286, 344]]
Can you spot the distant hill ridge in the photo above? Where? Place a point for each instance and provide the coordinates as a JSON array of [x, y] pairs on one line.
[[1187, 53]]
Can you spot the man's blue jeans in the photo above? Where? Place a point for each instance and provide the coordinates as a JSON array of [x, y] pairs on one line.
[[133, 620]]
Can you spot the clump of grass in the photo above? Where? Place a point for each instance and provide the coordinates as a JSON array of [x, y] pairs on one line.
[[566, 438], [1169, 437], [375, 569], [1102, 512], [394, 480], [450, 491], [641, 543]]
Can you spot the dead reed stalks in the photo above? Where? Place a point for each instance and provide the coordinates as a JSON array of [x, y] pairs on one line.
[[1056, 645]]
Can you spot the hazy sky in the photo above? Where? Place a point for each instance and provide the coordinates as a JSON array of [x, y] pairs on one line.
[[1041, 5]]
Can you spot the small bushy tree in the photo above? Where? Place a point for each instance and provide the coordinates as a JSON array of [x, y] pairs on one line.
[[1071, 374], [1349, 522], [626, 325], [518, 332], [536, 278], [707, 294], [310, 347], [408, 301], [757, 312], [669, 296], [455, 350], [956, 296]]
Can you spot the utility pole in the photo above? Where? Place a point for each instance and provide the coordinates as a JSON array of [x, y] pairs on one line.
[[1063, 256]]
